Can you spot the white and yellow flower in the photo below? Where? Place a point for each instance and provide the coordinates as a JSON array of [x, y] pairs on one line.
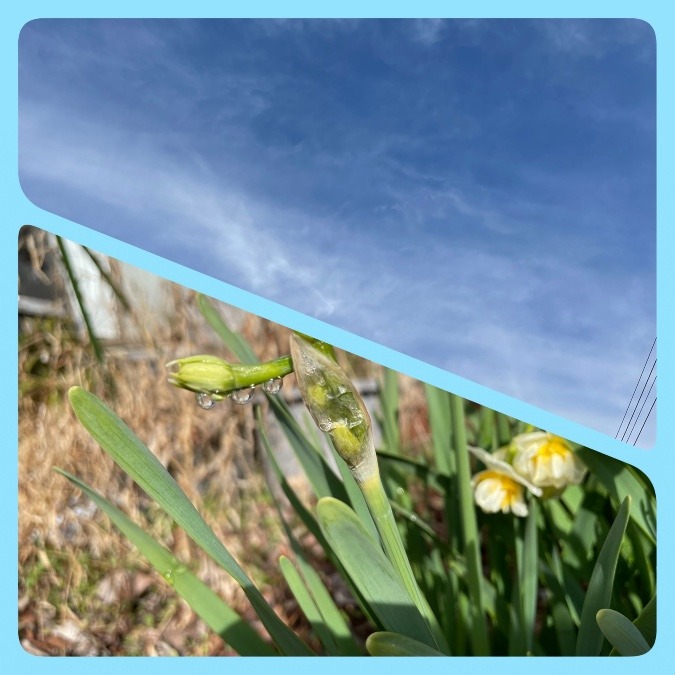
[[499, 487], [494, 491], [546, 460]]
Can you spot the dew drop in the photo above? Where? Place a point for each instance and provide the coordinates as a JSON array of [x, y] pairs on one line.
[[327, 424], [168, 575], [399, 490], [273, 386], [413, 518], [243, 396], [338, 391], [205, 401]]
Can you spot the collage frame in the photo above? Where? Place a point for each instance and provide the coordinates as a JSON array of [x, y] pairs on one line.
[[656, 463]]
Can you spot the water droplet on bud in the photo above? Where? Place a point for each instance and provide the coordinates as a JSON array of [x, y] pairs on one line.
[[243, 396], [273, 386], [205, 401]]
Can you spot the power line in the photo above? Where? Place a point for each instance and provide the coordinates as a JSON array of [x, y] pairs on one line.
[[645, 422], [637, 419], [623, 438], [634, 390]]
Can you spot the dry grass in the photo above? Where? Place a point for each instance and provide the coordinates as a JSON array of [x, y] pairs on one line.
[[82, 588]]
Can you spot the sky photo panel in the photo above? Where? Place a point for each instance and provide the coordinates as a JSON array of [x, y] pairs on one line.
[[479, 195]]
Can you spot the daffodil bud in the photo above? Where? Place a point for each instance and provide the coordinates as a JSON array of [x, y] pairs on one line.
[[335, 405], [203, 374], [217, 378], [547, 461]]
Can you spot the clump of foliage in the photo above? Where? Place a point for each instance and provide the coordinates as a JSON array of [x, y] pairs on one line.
[[547, 549]]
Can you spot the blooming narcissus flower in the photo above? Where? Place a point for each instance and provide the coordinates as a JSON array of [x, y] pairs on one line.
[[546, 460], [494, 491], [499, 487]]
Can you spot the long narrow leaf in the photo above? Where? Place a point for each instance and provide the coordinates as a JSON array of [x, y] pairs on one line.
[[479, 636], [147, 471], [330, 614], [389, 410], [371, 571], [233, 341], [74, 282], [438, 405], [307, 605], [385, 643], [623, 635], [114, 286], [529, 580], [646, 621], [355, 497], [219, 616], [599, 593]]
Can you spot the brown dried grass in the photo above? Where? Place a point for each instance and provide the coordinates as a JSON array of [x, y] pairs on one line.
[[83, 589]]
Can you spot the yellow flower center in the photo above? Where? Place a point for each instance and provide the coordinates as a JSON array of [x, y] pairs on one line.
[[553, 446]]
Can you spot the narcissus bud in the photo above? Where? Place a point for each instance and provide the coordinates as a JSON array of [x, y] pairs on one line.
[[203, 374], [335, 405]]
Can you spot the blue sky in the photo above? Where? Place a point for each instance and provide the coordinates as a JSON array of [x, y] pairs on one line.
[[476, 194]]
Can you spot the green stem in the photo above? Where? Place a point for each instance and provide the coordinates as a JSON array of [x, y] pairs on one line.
[[380, 508], [259, 373]]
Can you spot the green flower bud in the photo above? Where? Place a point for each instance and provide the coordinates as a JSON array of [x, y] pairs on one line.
[[335, 405], [203, 374]]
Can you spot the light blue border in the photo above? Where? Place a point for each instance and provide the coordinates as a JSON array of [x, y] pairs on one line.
[[658, 463]]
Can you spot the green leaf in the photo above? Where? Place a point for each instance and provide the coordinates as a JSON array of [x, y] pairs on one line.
[[114, 286], [438, 405], [233, 341], [219, 616], [472, 546], [371, 571], [599, 593], [580, 541], [135, 459], [307, 605], [74, 282], [330, 614], [621, 633], [355, 497], [646, 621], [529, 579], [385, 643], [564, 617], [389, 410], [621, 481]]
